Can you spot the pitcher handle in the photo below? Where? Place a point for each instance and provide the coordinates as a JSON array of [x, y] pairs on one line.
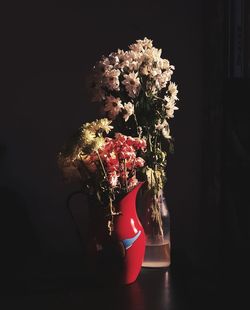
[[72, 216]]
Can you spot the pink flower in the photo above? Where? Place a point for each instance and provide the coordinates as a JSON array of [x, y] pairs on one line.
[[140, 144], [139, 162], [126, 152], [123, 176], [118, 156], [112, 162], [131, 140], [130, 164], [120, 139], [132, 182]]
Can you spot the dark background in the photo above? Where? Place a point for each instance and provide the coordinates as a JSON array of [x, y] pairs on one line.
[[49, 49]]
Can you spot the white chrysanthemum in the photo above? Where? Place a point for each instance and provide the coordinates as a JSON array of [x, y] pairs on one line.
[[141, 45], [152, 55], [172, 88], [136, 56], [168, 73], [113, 106], [112, 79], [113, 59], [154, 72], [156, 54], [134, 65], [147, 43], [132, 84], [164, 128], [137, 47], [161, 80], [105, 63], [128, 110], [170, 106], [171, 69], [160, 125], [129, 59], [163, 64], [145, 69], [125, 59]]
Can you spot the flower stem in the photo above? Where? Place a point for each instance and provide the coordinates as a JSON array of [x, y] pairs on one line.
[[150, 142], [111, 215], [159, 98], [139, 130], [111, 220], [126, 180], [100, 160]]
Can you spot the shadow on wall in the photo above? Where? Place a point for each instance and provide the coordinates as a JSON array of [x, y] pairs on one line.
[[18, 239]]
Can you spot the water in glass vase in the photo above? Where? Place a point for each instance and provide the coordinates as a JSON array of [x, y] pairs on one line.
[[157, 255], [155, 219]]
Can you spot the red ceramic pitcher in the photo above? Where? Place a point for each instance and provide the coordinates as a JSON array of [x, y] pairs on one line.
[[129, 232], [117, 258]]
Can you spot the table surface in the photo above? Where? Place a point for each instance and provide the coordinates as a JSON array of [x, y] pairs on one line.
[[155, 289]]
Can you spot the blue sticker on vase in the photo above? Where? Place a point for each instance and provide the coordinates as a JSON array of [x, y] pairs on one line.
[[130, 241]]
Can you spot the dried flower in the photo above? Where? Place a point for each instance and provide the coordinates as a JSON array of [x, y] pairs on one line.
[[104, 160]]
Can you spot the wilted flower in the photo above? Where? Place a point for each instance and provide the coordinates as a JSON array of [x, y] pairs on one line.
[[104, 159]]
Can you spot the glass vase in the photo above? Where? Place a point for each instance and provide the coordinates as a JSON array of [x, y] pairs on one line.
[[155, 219]]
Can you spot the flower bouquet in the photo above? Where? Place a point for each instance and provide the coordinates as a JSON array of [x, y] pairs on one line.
[[113, 156], [106, 164], [135, 90]]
